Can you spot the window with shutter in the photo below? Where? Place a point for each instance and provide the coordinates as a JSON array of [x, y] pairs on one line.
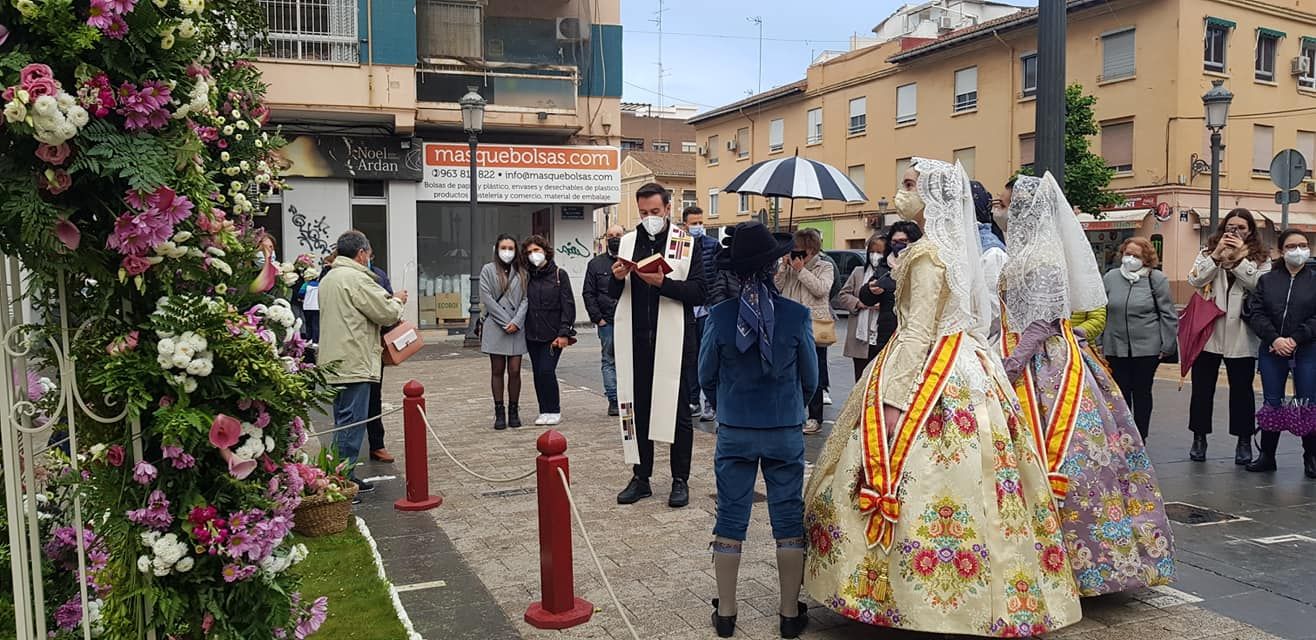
[[1307, 147], [450, 29], [1027, 150], [1308, 51], [1117, 146], [906, 103], [1028, 67], [857, 175], [858, 115], [967, 159], [742, 142], [815, 125], [966, 89], [776, 135], [1217, 37], [1117, 55], [712, 203], [712, 150], [689, 199], [1263, 148]]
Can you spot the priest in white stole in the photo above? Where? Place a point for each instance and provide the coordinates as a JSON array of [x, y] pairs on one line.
[[653, 335]]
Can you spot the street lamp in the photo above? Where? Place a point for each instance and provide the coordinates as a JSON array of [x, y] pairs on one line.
[[1216, 102], [882, 205], [472, 105]]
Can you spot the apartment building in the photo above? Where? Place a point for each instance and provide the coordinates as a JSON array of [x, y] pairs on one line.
[[968, 95], [645, 127], [367, 91]]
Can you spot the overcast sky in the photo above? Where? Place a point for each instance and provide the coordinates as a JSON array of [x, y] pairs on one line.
[[719, 63]]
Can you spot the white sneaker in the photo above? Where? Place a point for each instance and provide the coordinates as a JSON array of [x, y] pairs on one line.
[[827, 397], [542, 419], [551, 419], [812, 426]]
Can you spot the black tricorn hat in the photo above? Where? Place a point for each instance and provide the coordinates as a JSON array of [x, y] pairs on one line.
[[750, 247]]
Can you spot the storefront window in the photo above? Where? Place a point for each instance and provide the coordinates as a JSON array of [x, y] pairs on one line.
[[443, 253], [370, 216]]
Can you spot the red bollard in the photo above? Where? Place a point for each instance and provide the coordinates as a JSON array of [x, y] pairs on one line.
[[560, 608], [417, 453]]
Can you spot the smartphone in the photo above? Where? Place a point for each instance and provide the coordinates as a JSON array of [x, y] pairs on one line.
[[798, 255]]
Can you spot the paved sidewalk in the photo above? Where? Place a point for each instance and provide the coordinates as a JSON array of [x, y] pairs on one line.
[[656, 557]]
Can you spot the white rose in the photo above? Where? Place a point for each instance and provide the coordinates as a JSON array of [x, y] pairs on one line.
[[149, 538], [244, 165], [189, 385], [249, 429], [165, 360], [46, 107], [78, 116], [182, 236], [228, 130], [181, 360], [15, 112], [242, 125], [299, 553], [186, 29], [65, 100], [166, 345], [195, 367], [97, 450], [184, 565], [160, 568], [167, 40], [143, 564], [269, 444], [165, 248], [225, 156]]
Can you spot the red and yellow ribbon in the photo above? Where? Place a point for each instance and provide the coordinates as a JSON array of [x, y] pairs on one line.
[[884, 461], [1053, 436]]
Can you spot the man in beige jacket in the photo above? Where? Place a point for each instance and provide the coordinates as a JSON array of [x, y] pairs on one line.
[[353, 308]]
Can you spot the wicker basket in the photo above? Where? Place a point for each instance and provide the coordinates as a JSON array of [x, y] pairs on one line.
[[318, 517]]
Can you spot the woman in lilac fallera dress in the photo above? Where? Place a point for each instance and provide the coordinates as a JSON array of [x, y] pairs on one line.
[[1112, 513]]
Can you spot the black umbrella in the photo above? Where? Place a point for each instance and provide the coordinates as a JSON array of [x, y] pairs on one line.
[[795, 177]]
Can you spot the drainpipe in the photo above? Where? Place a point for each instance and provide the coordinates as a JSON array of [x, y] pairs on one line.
[[370, 49], [1009, 148]]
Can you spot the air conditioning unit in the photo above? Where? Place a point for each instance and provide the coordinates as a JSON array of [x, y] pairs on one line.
[[946, 23], [1301, 66], [571, 30], [732, 145]]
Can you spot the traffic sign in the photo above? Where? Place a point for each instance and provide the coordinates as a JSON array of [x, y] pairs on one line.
[[1288, 169], [1288, 197]]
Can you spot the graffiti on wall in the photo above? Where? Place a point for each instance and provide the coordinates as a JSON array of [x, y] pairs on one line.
[[574, 249], [311, 234]]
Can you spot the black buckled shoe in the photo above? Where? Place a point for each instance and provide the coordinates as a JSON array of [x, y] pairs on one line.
[[634, 492], [680, 494], [1198, 451], [1309, 465], [724, 625], [1243, 452], [500, 416], [1263, 462], [793, 626], [612, 408], [513, 416]]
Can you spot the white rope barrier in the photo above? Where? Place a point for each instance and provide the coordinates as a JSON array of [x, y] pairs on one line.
[[337, 428], [463, 467], [580, 522]]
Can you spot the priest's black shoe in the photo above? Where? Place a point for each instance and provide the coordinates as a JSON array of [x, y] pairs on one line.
[[680, 494], [724, 625], [634, 492], [793, 626], [1243, 452], [1309, 465], [1198, 452], [1263, 462]]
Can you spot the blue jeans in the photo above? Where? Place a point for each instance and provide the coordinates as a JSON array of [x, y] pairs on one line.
[[350, 406], [543, 362], [1274, 375], [609, 362], [739, 455]]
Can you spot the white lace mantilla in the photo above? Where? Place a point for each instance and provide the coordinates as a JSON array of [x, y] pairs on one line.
[[949, 222]]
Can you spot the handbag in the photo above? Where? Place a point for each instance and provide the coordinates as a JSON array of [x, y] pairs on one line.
[[400, 343], [824, 332]]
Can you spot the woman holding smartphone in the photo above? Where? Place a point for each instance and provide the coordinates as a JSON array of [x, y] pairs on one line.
[[806, 278], [870, 293], [1225, 273], [550, 324]]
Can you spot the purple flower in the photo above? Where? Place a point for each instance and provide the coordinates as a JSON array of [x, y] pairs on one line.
[[4, 34], [144, 108], [182, 460], [100, 14], [314, 618], [118, 29], [121, 7], [145, 473], [946, 554], [69, 615], [169, 206], [155, 515]]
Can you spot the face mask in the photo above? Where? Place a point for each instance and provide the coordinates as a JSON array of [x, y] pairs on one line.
[[655, 224], [909, 204], [697, 230], [1001, 217], [897, 247], [614, 245], [507, 255], [1132, 263], [537, 258], [874, 258], [1297, 257]]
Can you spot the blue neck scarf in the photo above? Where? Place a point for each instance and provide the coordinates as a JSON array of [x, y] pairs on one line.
[[757, 317], [989, 239]]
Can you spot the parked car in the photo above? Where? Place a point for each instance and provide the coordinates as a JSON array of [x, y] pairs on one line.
[[846, 260]]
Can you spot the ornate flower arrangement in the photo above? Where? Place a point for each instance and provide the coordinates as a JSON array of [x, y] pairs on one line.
[[132, 151]]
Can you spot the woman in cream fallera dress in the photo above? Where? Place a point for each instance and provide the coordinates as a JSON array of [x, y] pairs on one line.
[[1116, 529], [947, 525]]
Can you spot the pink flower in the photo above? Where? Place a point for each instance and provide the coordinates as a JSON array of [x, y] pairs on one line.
[[155, 515], [100, 15], [135, 265], [114, 455], [315, 617], [181, 459], [144, 473], [34, 71], [68, 233], [238, 467], [123, 344], [266, 279], [4, 34], [42, 87], [117, 30], [121, 7], [55, 155], [144, 108], [225, 431], [207, 621], [55, 181], [170, 206]]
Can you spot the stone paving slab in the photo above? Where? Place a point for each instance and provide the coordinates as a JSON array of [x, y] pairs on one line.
[[656, 557]]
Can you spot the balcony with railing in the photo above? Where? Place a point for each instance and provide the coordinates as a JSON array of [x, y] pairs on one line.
[[521, 54], [312, 30]]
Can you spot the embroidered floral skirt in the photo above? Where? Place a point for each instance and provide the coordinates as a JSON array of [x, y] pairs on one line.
[[977, 547], [1116, 530]]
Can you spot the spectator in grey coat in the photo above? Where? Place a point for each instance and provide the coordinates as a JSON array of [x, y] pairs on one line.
[[502, 293], [1141, 325]]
